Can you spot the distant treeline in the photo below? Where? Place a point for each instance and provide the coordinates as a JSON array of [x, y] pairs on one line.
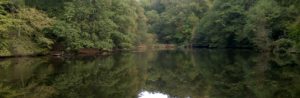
[[259, 24], [36, 26]]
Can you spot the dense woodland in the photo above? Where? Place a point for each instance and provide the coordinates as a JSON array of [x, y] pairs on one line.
[[38, 26]]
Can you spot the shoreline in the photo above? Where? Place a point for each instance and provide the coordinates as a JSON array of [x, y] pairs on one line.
[[93, 52]]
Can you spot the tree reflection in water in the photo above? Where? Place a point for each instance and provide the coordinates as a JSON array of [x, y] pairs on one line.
[[176, 73]]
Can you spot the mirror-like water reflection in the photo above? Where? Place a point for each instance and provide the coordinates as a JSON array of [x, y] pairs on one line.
[[146, 94], [174, 74]]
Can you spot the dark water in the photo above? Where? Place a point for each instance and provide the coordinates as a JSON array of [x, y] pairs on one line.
[[156, 74]]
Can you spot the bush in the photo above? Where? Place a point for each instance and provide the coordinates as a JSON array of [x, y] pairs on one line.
[[21, 31], [283, 46]]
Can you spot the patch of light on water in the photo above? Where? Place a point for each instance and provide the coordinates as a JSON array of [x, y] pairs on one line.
[[146, 94]]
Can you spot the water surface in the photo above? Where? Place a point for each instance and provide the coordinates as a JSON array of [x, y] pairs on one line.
[[154, 74]]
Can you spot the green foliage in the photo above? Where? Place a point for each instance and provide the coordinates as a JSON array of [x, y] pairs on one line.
[[76, 24], [114, 24], [218, 23], [222, 26], [254, 23], [294, 29], [283, 45], [21, 31], [52, 7], [122, 41], [259, 23], [174, 21], [99, 24]]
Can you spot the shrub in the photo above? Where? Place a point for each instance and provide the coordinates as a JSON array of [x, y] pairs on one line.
[[283, 46]]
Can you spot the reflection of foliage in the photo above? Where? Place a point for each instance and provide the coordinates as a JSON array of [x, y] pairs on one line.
[[173, 72], [20, 77], [108, 78], [223, 74], [6, 91], [195, 74]]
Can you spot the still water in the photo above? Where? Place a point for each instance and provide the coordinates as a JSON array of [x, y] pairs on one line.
[[154, 74]]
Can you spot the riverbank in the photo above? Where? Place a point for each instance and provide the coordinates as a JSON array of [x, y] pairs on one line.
[[141, 48]]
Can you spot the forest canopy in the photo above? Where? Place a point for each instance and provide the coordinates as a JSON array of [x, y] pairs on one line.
[[38, 26]]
